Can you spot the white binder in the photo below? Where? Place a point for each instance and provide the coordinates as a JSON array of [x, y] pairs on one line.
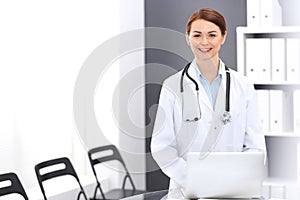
[[276, 111], [278, 59], [253, 12], [292, 56], [296, 102], [251, 64], [258, 59], [264, 108], [298, 161]]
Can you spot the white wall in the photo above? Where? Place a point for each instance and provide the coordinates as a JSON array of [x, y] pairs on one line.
[[43, 46], [132, 65]]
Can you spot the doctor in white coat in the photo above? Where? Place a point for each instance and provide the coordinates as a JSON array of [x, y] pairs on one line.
[[174, 136]]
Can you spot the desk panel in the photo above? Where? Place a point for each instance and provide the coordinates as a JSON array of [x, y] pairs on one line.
[[157, 195]]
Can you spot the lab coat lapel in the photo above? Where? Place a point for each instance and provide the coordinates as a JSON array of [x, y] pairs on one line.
[[202, 94]]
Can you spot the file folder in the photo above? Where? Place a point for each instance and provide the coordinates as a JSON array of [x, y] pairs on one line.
[[276, 111], [296, 102], [251, 66], [278, 60], [298, 161], [253, 12], [258, 59], [264, 109], [292, 59]]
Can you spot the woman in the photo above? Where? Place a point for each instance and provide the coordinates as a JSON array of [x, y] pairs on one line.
[[185, 119]]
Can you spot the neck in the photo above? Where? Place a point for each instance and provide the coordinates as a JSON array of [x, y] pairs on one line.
[[209, 68]]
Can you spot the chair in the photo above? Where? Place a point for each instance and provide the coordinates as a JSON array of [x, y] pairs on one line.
[[96, 159], [15, 185], [67, 170]]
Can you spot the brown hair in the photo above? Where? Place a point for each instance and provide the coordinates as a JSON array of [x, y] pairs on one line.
[[207, 14]]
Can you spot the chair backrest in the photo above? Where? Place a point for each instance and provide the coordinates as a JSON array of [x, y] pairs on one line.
[[67, 170], [14, 185], [95, 158]]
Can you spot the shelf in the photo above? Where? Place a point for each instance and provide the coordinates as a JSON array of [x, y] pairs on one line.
[[280, 134], [274, 181], [277, 86], [268, 30]]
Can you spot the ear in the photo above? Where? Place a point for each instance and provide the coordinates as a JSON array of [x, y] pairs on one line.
[[187, 39], [224, 37]]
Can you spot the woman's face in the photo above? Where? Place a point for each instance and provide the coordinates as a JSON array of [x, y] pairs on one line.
[[205, 39]]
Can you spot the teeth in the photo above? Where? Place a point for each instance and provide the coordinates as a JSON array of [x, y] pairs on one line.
[[204, 50]]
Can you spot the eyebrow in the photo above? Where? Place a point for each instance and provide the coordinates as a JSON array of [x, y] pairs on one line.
[[201, 32]]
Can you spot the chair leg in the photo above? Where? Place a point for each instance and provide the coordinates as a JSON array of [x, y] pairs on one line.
[[78, 196], [101, 191], [131, 181], [84, 195], [81, 192]]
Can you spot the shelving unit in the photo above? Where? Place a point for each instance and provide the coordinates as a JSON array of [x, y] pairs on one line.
[[265, 82], [283, 145]]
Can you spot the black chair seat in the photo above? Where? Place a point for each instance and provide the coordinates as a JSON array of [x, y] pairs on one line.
[[118, 194]]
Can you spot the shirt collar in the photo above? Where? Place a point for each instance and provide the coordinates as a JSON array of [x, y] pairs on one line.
[[220, 72]]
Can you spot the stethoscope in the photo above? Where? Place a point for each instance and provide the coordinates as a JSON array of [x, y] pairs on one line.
[[226, 117]]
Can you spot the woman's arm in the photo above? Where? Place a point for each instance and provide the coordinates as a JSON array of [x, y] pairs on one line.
[[163, 144]]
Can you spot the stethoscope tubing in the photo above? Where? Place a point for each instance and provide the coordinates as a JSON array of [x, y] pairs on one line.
[[185, 72]]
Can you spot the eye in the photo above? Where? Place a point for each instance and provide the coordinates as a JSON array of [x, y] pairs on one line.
[[212, 35], [196, 35]]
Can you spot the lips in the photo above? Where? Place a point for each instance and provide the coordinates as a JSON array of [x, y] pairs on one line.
[[205, 50]]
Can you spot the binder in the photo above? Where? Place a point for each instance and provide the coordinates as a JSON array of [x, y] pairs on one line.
[[264, 109], [277, 59], [296, 103], [292, 59], [271, 13], [258, 59], [251, 66], [276, 111], [298, 161], [253, 12]]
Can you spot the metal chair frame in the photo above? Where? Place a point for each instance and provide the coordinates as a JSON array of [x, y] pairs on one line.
[[95, 160], [14, 187], [68, 170]]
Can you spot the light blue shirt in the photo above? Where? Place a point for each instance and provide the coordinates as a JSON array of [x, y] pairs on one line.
[[210, 89]]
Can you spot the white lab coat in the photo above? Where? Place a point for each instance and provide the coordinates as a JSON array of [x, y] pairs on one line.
[[172, 138]]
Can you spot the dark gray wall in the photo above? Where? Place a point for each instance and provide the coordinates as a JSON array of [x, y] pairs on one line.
[[173, 14]]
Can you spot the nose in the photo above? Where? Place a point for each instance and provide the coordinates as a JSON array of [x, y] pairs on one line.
[[203, 41]]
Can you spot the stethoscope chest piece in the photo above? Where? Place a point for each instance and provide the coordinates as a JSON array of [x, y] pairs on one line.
[[226, 117]]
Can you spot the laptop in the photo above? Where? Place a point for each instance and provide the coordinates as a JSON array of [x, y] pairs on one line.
[[225, 175]]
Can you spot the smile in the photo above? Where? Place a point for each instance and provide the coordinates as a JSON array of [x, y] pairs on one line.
[[205, 50]]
